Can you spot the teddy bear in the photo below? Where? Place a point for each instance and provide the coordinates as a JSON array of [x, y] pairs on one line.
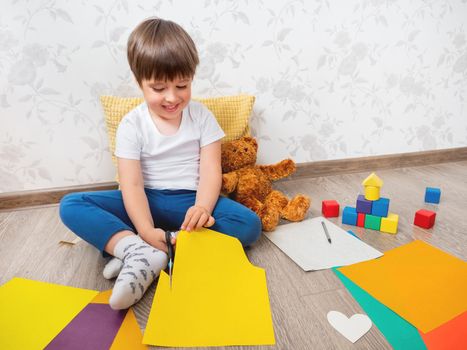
[[251, 185]]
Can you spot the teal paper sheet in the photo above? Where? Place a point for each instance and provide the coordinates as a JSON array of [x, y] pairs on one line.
[[397, 331]]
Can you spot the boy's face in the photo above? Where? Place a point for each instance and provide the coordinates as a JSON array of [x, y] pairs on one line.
[[166, 99]]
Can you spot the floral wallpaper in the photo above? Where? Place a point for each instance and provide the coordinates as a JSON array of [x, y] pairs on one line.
[[333, 79]]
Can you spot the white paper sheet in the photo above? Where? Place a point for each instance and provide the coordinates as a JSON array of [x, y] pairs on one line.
[[306, 243]]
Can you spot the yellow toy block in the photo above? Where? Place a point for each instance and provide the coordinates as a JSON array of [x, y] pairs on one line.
[[389, 223], [372, 186], [371, 193], [373, 180]]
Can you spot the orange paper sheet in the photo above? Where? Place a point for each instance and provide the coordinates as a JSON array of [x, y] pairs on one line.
[[217, 298], [129, 335], [450, 336], [102, 297], [421, 283]]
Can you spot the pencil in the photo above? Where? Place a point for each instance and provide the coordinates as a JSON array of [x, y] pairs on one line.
[[326, 232]]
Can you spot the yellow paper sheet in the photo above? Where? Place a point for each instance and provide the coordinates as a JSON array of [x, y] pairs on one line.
[[218, 298], [32, 313], [422, 284]]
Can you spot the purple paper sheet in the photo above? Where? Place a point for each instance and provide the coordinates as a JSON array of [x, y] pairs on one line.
[[94, 328]]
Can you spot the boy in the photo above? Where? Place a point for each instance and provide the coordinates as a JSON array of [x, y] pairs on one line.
[[169, 165]]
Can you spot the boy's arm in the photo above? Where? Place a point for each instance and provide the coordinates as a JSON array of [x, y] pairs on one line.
[[210, 176], [136, 203], [210, 182]]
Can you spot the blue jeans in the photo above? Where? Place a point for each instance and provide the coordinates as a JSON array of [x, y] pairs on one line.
[[97, 216]]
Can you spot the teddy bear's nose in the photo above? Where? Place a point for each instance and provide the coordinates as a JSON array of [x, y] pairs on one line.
[[245, 149]]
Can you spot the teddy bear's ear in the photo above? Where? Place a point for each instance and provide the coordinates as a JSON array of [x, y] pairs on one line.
[[252, 141]]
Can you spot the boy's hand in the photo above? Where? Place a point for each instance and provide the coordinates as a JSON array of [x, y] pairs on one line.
[[197, 217], [156, 238]]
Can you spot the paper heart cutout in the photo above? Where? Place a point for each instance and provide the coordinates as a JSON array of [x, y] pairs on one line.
[[352, 328]]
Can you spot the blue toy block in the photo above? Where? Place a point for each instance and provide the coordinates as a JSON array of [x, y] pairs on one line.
[[349, 216], [380, 207], [363, 205], [432, 195]]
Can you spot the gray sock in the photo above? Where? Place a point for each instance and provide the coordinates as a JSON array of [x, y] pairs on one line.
[[142, 263]]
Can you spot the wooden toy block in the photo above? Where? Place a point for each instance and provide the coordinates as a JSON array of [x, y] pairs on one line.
[[432, 195], [380, 207], [361, 220], [371, 193], [330, 208], [372, 185], [363, 205], [372, 222], [349, 216], [389, 223], [424, 218]]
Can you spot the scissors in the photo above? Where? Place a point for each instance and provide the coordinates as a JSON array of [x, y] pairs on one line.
[[170, 252]]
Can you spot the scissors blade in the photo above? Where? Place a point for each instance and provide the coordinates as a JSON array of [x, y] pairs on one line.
[[170, 273]]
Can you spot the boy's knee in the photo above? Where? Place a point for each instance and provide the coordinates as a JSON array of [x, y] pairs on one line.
[[67, 206], [251, 229]]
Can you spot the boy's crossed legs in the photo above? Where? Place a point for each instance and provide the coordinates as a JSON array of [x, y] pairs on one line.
[[231, 217], [103, 212]]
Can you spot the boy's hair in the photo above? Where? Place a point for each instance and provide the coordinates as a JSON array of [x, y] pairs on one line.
[[161, 50]]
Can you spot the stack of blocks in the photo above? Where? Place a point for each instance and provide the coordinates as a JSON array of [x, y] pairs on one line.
[[372, 211]]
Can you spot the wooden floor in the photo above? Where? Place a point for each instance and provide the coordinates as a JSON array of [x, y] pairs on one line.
[[299, 300]]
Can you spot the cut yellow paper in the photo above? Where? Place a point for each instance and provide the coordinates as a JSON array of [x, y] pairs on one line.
[[32, 313], [218, 297], [421, 283]]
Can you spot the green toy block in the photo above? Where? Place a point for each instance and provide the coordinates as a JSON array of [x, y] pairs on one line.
[[372, 222]]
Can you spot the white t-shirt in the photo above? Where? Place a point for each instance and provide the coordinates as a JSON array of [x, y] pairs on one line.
[[167, 162]]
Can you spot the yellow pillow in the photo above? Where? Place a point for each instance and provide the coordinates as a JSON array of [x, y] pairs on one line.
[[232, 114]]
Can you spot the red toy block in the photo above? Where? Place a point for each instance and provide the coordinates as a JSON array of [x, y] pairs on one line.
[[361, 220], [424, 218], [330, 208]]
